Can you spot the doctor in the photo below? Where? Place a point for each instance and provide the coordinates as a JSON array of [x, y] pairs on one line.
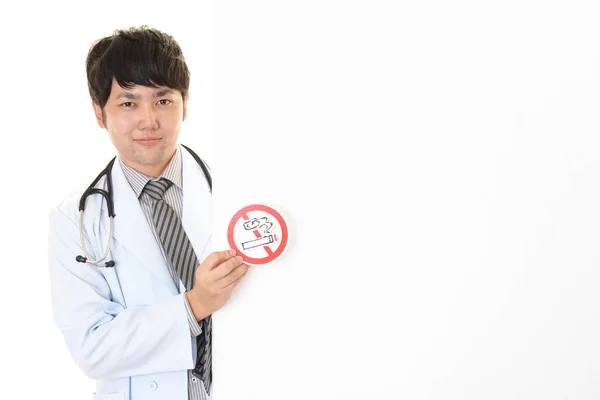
[[141, 328]]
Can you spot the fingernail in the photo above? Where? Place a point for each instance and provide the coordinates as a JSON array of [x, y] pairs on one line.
[[239, 258], [232, 252]]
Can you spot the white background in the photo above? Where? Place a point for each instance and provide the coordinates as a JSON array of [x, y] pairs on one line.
[[437, 162]]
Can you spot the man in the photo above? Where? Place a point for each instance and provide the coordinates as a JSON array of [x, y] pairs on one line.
[[138, 321]]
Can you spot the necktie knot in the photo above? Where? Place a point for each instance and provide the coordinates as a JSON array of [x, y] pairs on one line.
[[156, 189]]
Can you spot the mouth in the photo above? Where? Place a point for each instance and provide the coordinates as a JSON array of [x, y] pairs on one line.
[[147, 140]]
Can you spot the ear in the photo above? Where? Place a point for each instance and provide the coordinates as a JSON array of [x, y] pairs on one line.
[[185, 106], [98, 113]]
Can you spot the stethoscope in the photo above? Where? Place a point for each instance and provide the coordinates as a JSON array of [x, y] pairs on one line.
[[107, 194]]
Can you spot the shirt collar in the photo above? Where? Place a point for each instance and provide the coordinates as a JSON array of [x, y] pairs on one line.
[[172, 172]]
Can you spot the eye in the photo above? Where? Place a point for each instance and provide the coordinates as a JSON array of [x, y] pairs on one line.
[[127, 104], [164, 102]]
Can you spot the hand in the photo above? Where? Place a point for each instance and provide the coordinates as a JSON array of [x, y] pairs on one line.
[[216, 277]]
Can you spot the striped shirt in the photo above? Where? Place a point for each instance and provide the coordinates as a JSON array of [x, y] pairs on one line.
[[174, 198]]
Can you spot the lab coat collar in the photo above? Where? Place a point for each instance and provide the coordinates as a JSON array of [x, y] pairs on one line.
[[197, 206], [132, 231]]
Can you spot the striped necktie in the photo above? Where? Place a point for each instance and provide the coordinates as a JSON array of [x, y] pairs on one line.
[[178, 248]]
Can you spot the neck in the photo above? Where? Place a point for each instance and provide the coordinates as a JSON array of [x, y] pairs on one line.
[[151, 170]]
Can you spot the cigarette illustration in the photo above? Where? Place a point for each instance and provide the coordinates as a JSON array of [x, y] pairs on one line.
[[263, 241]]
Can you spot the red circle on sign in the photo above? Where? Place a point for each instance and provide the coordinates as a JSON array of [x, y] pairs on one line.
[[284, 233]]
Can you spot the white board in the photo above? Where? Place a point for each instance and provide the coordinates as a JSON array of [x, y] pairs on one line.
[[438, 163]]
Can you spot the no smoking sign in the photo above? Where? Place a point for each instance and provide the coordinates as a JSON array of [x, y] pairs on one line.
[[258, 233]]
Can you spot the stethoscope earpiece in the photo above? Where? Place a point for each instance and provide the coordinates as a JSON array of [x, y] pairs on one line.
[[82, 259]]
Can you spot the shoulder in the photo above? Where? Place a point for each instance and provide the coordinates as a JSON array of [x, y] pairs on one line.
[[192, 161], [191, 155], [68, 207]]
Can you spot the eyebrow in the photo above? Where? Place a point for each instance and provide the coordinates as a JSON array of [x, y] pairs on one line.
[[131, 96]]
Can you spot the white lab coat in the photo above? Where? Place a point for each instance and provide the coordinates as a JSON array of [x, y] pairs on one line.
[[126, 327]]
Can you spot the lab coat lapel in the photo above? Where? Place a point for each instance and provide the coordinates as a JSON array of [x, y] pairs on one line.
[[131, 229], [197, 206]]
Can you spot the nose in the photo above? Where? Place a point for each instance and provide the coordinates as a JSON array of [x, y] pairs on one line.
[[148, 118]]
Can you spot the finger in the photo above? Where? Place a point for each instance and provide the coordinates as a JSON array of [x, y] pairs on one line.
[[225, 268], [233, 275], [216, 258], [243, 269]]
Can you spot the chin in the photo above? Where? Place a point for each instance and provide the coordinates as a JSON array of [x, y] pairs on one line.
[[149, 158]]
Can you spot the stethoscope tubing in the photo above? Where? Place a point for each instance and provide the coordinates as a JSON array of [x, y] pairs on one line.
[[85, 254], [107, 194]]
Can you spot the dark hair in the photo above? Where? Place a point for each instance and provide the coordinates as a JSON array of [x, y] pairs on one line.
[[137, 56]]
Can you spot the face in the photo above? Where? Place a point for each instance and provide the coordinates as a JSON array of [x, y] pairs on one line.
[[143, 124]]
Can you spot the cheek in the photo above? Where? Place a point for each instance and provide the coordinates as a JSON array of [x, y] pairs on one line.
[[172, 122], [121, 126]]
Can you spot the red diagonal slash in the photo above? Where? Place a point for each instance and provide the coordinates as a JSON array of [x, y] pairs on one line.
[[258, 236]]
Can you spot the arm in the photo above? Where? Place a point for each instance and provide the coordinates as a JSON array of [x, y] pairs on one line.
[[105, 339]]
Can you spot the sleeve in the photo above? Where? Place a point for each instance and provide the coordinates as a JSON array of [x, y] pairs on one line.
[[195, 328], [105, 339]]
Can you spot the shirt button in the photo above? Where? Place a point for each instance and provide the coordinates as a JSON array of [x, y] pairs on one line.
[[153, 385]]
